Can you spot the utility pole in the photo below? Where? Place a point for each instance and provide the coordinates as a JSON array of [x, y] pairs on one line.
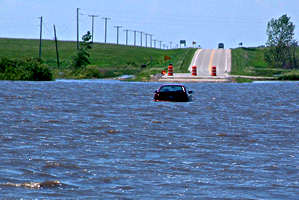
[[40, 37], [134, 37], [117, 32], [151, 40], [127, 30], [141, 38], [160, 44], [146, 39], [170, 45], [106, 19], [77, 28], [155, 43], [92, 24], [57, 54]]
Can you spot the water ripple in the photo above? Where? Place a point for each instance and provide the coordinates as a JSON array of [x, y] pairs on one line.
[[108, 139]]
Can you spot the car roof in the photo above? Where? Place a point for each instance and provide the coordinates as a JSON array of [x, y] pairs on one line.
[[172, 85]]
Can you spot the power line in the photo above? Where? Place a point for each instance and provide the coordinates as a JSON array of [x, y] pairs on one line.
[[147, 42]]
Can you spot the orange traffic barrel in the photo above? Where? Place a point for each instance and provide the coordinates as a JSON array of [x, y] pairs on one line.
[[170, 70], [213, 71], [194, 71]]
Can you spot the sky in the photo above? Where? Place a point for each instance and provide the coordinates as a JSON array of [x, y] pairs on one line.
[[207, 22]]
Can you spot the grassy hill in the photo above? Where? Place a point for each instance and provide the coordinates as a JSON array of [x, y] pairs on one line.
[[251, 62], [108, 59]]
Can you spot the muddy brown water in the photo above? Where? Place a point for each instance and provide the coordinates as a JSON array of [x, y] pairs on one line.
[[109, 140]]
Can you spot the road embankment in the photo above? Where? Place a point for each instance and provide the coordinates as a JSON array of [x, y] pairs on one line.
[[188, 78]]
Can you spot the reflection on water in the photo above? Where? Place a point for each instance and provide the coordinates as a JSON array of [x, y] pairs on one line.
[[110, 140]]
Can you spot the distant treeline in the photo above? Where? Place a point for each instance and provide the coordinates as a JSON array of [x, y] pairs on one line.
[[26, 69]]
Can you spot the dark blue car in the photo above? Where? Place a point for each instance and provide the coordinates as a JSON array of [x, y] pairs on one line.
[[176, 93]]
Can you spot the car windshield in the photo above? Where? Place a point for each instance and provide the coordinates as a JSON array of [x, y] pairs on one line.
[[172, 88]]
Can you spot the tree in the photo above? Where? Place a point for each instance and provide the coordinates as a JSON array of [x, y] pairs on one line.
[[292, 52], [27, 69], [281, 43], [81, 59]]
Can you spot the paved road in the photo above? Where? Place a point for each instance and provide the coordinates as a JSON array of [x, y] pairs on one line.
[[204, 59]]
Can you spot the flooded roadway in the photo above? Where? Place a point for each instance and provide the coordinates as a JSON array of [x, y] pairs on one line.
[[109, 140]]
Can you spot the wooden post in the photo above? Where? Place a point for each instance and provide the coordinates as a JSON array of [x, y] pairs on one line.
[[40, 38], [57, 54]]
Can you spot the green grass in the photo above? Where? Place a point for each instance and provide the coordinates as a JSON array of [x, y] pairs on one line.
[[242, 80], [291, 75], [109, 59], [251, 62]]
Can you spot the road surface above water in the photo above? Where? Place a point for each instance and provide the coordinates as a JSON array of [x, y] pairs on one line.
[[204, 59]]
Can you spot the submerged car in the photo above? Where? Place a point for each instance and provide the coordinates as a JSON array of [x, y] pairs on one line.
[[176, 93]]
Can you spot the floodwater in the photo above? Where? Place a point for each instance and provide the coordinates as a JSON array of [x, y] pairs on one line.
[[106, 139]]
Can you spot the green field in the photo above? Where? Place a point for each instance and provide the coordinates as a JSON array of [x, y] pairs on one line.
[[251, 62], [108, 59]]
